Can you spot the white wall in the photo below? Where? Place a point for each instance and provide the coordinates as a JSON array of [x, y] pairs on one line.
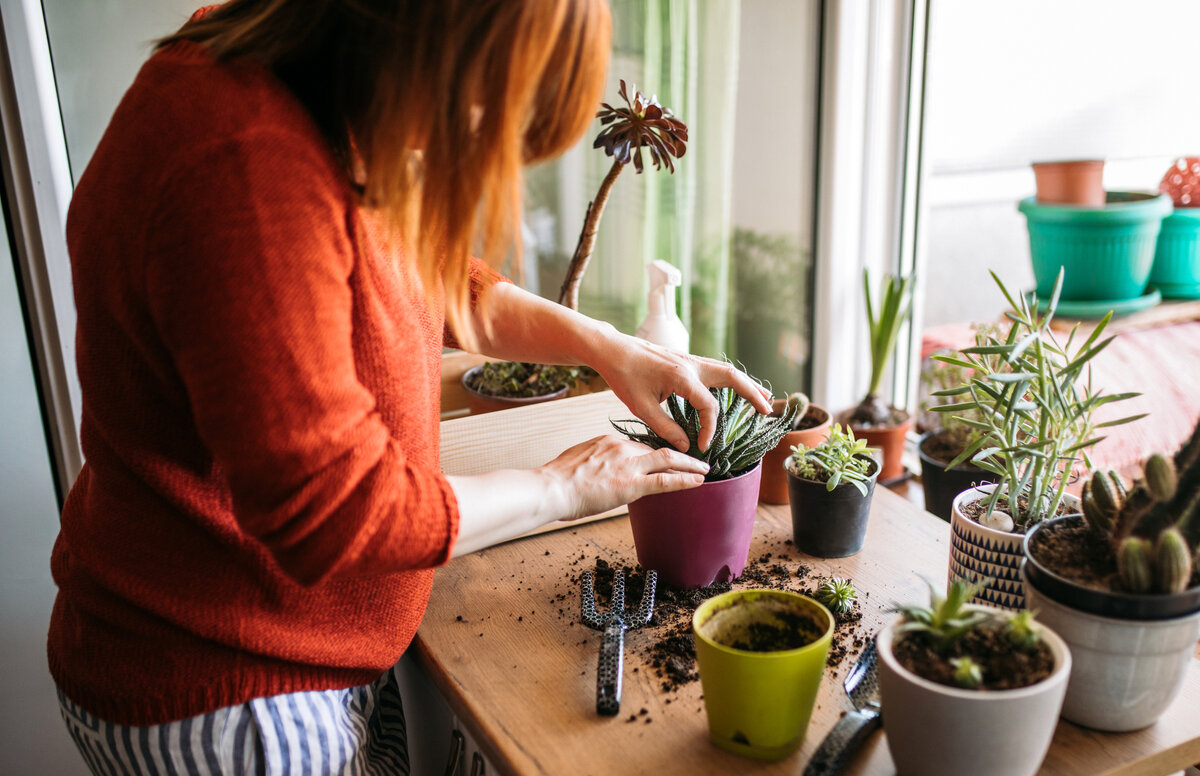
[[1023, 81]]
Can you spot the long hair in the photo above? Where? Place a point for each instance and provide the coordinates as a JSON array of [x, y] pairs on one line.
[[433, 106]]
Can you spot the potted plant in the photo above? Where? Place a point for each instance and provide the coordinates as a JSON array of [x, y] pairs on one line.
[[1120, 583], [701, 535], [1074, 182], [830, 488], [810, 428], [1034, 409], [500, 385], [944, 439], [642, 122], [969, 689], [874, 420], [761, 656], [1176, 270]]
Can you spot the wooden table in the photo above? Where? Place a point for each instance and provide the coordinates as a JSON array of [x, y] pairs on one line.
[[522, 678]]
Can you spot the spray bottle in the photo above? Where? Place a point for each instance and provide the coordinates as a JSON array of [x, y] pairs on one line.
[[662, 326]]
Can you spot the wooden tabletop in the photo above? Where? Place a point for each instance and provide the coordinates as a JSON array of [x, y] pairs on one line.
[[522, 676]]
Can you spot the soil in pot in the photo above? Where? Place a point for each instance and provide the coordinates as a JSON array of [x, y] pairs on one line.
[[975, 510], [762, 626], [1078, 554], [1003, 665]]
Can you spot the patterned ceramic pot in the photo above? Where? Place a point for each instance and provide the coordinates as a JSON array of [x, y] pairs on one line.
[[978, 552]]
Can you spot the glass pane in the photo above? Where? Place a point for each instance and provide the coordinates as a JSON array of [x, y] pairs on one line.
[[735, 217]]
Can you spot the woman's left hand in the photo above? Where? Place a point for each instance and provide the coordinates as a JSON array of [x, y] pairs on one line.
[[643, 375]]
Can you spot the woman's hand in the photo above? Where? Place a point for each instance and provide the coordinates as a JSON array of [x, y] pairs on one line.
[[587, 479], [608, 471], [643, 375]]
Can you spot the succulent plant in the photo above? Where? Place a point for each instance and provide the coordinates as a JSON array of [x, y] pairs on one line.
[[895, 302], [1021, 631], [837, 594], [1030, 399], [838, 460], [945, 620], [641, 123], [1153, 528], [742, 437], [967, 673]]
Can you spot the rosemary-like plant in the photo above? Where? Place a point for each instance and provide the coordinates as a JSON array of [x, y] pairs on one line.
[[840, 459], [742, 437], [1032, 401]]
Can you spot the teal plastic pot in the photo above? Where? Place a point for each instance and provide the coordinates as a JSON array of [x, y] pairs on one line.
[[1106, 252], [1176, 271], [759, 703]]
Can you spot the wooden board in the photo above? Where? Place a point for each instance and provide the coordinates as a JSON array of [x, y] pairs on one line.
[[521, 676], [527, 437]]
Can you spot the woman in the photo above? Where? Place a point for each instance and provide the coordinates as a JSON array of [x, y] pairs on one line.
[[269, 248]]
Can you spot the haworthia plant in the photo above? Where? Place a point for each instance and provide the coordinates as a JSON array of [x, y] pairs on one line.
[[742, 436]]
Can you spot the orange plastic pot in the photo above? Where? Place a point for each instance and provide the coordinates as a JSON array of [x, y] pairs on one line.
[[774, 488]]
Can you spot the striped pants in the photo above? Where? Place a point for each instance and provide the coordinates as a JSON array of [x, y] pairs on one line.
[[354, 732]]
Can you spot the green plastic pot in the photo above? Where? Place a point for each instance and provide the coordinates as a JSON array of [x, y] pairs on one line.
[[758, 703], [1107, 252], [1176, 271]]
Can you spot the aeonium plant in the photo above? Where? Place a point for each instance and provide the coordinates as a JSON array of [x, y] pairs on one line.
[[1030, 397], [742, 437], [641, 123]]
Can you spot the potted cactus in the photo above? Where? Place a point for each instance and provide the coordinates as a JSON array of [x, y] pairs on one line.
[[830, 488], [1030, 398], [699, 536], [642, 122], [1120, 583], [810, 428], [874, 420], [969, 689]]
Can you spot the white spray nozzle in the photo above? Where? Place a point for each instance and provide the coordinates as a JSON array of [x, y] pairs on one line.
[[663, 279]]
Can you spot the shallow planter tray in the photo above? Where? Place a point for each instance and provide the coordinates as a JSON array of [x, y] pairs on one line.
[[1098, 308]]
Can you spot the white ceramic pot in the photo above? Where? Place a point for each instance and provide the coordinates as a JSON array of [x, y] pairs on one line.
[[1125, 672], [935, 730], [978, 552]]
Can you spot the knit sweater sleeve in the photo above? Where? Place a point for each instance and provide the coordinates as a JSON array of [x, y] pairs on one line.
[[247, 268]]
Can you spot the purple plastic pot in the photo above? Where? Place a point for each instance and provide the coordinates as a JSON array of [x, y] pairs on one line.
[[699, 536]]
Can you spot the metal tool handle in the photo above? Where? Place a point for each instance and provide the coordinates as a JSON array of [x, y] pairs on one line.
[[840, 744], [608, 673]]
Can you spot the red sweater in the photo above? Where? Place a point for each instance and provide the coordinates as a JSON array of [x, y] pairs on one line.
[[261, 505]]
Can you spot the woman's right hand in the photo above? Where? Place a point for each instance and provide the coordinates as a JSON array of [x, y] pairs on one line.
[[608, 471]]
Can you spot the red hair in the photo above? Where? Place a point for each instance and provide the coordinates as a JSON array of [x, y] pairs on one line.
[[440, 102]]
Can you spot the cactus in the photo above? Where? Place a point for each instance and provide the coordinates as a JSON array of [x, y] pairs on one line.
[[801, 401], [1153, 528]]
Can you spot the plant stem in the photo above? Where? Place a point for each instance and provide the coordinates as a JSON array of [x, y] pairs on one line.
[[569, 294]]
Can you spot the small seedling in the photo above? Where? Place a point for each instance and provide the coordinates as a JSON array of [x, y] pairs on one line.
[[837, 594], [1022, 632], [967, 673]]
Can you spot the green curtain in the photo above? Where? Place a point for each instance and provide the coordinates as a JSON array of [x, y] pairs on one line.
[[686, 53]]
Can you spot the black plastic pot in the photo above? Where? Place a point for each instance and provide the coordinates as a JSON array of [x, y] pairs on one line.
[[1121, 606], [829, 524], [941, 485]]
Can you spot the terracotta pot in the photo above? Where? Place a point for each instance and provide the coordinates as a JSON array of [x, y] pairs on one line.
[[1078, 182], [937, 730], [698, 536], [774, 489], [479, 403], [889, 439]]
